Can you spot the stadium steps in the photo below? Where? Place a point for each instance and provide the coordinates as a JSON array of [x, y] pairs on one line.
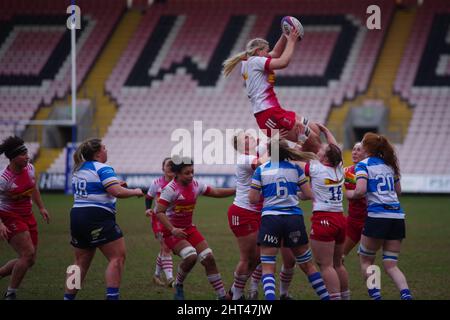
[[94, 86], [46, 158], [382, 82]]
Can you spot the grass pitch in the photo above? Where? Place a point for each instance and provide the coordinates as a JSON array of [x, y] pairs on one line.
[[425, 257]]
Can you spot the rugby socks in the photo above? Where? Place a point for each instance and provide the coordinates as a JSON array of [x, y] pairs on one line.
[[239, 284], [158, 267], [374, 294], [345, 295], [112, 293], [255, 278], [10, 292], [217, 284], [319, 286], [335, 296], [285, 279], [268, 281], [405, 294], [69, 296], [181, 275], [167, 266]]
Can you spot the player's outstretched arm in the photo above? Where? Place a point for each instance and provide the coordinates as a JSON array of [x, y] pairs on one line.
[[283, 61], [120, 192], [279, 47], [328, 135], [221, 192]]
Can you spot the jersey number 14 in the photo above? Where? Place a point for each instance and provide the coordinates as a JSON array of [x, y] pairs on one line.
[[336, 193]]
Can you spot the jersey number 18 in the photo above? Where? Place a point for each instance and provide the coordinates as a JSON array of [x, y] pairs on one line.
[[80, 187]]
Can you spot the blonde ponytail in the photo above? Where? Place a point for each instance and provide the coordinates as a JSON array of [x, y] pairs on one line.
[[297, 155], [77, 159], [250, 50], [286, 153], [86, 152], [231, 62]]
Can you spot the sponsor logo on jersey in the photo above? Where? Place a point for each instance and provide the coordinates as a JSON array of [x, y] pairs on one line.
[[333, 182], [186, 208], [270, 239]]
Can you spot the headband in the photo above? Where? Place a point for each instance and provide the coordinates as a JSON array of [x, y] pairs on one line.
[[17, 151]]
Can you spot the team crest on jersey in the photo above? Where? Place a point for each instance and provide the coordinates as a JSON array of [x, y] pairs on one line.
[[295, 236], [333, 182]]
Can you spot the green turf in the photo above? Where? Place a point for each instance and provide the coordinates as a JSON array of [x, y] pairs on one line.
[[425, 257]]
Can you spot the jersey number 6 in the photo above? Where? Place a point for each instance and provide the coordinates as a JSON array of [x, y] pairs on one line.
[[282, 188]]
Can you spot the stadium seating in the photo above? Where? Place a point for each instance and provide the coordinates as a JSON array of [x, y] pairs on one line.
[[169, 75], [35, 53], [424, 81]]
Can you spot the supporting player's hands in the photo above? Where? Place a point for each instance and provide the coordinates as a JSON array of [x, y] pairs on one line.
[[149, 213], [322, 128], [179, 233], [45, 215], [284, 133], [3, 231], [279, 134]]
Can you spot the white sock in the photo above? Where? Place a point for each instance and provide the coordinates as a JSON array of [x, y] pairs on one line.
[[345, 295], [10, 291]]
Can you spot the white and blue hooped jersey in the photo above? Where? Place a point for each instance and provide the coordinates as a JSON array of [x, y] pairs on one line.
[[89, 185], [382, 200], [279, 183]]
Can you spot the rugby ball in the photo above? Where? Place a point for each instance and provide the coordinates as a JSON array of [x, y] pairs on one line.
[[289, 22]]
